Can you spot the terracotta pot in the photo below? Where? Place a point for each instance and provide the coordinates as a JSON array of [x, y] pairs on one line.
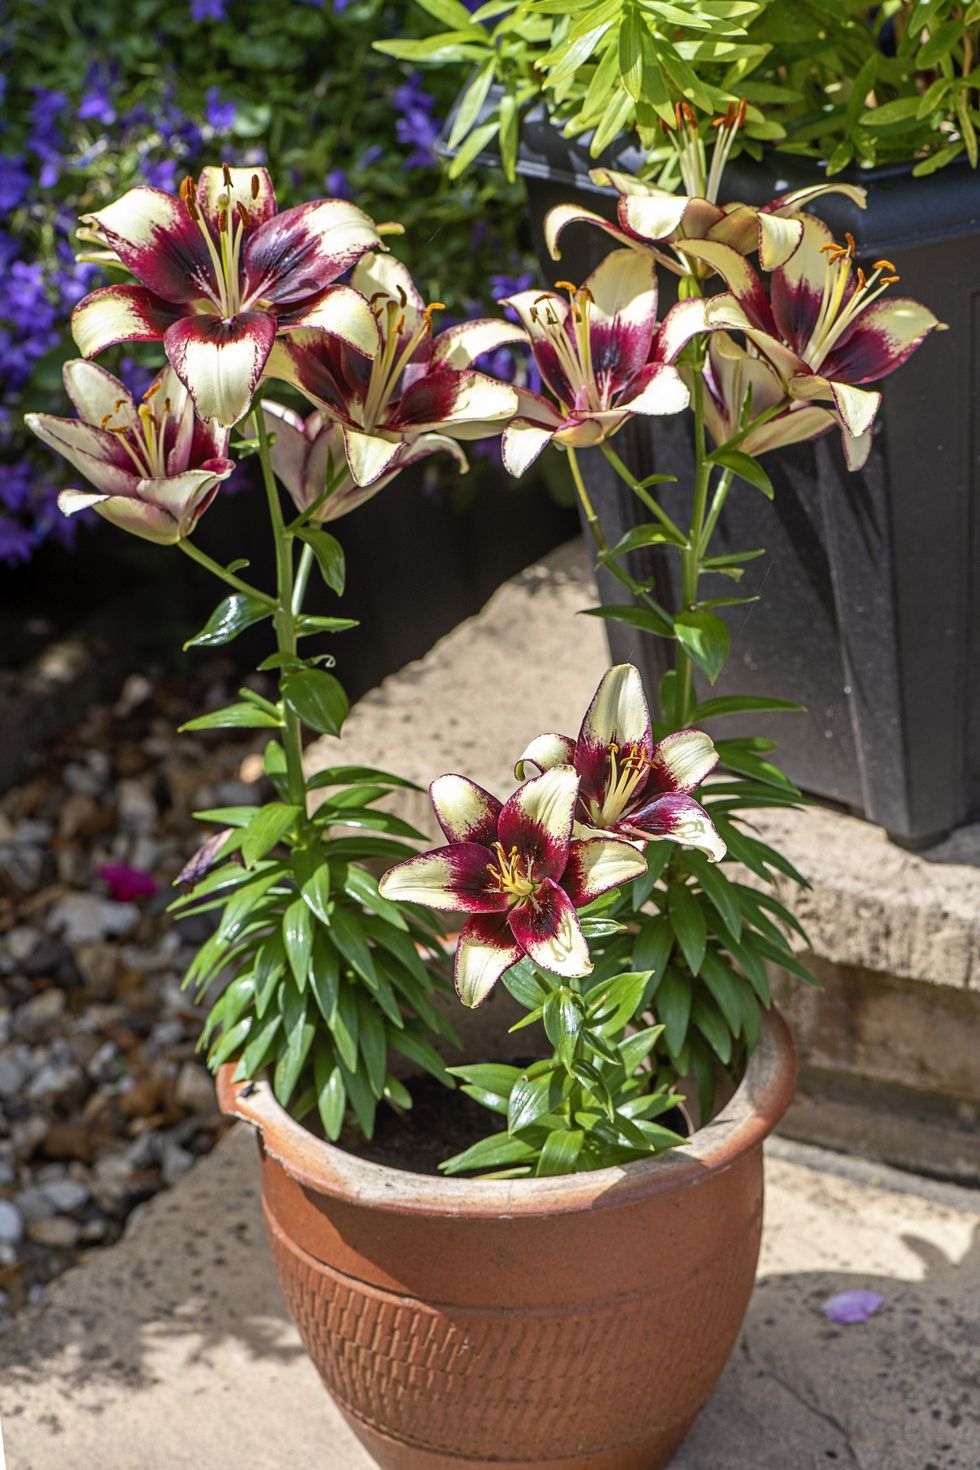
[[572, 1323]]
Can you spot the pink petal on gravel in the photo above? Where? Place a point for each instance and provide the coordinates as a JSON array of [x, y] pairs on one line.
[[852, 1306], [126, 883]]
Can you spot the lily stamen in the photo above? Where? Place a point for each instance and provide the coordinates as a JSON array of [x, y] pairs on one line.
[[837, 309]]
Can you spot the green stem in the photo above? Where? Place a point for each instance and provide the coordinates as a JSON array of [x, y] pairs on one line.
[[302, 578], [286, 613], [592, 520], [691, 557], [717, 503], [202, 558], [628, 478]]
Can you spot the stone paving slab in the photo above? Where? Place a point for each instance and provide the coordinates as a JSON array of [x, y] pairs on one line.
[[172, 1350]]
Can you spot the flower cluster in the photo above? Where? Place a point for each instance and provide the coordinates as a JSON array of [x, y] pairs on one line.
[[520, 869]]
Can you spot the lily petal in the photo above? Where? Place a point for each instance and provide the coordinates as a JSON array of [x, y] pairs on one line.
[[618, 716], [486, 948], [856, 408], [544, 752], [116, 314], [96, 453], [521, 443], [151, 522], [681, 761], [461, 404], [187, 496], [741, 278], [857, 447], [252, 186], [883, 336], [798, 286], [340, 311], [677, 818], [290, 447], [368, 455], [656, 389], [459, 347], [296, 253], [464, 811], [537, 820], [220, 362], [550, 933], [558, 219], [94, 392], [622, 314], [449, 878], [377, 275], [155, 237], [598, 864], [659, 216]]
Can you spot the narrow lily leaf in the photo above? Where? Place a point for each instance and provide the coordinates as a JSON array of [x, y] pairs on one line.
[[718, 888], [308, 624], [498, 1149], [560, 1151], [343, 775], [234, 717], [362, 1099], [673, 1009], [525, 985], [230, 617], [619, 1001], [658, 855], [269, 965], [725, 986], [325, 975], [329, 557], [740, 704], [471, 102], [331, 1095], [259, 1048], [531, 1098], [372, 1043], [688, 923], [298, 1032], [316, 893], [745, 467], [229, 1042], [418, 1050], [636, 1048], [397, 1093], [317, 698], [705, 638], [563, 1018], [651, 952], [297, 933], [345, 1025], [267, 827], [635, 617]]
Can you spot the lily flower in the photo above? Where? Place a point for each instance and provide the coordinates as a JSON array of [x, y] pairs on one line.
[[220, 273], [156, 467], [628, 785], [518, 872], [308, 457], [735, 377], [602, 355], [405, 382], [827, 331], [656, 220]]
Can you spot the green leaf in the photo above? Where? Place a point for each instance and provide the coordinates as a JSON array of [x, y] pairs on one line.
[[230, 617], [373, 1043], [616, 1003], [419, 1051], [560, 1151], [331, 1095], [631, 53], [307, 624], [704, 638], [745, 467], [317, 698], [267, 827], [269, 965], [498, 1149], [725, 986], [531, 1098], [329, 556], [472, 101], [234, 717], [640, 537], [658, 855], [297, 933], [361, 1098], [229, 1042], [688, 923], [298, 1033], [344, 775], [474, 145], [345, 1025], [315, 893], [719, 889], [636, 1048], [325, 976], [259, 1048], [634, 617], [673, 1008], [562, 1017], [348, 935], [741, 704], [525, 985], [706, 1016]]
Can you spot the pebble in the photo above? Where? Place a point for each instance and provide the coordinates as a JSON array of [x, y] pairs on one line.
[[11, 1223], [56, 1080], [86, 916], [195, 1089], [58, 1233], [136, 807], [21, 942], [13, 1075], [66, 1195], [175, 1162], [39, 1017]]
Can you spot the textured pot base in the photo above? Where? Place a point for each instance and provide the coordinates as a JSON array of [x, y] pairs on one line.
[[390, 1455]]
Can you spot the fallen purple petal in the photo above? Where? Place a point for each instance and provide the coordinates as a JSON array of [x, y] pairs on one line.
[[126, 883], [852, 1306]]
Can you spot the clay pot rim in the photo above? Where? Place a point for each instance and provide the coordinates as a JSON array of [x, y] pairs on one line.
[[753, 1112]]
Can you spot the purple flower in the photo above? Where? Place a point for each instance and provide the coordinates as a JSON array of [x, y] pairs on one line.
[[15, 485], [126, 883], [219, 113], [849, 1307], [16, 543], [14, 183], [207, 9], [96, 101], [417, 128], [161, 173], [370, 155], [337, 185]]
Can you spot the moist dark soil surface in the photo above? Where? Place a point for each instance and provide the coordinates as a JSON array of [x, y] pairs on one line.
[[439, 1124]]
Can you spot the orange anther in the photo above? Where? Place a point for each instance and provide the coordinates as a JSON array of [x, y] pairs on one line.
[[255, 186], [885, 265], [226, 175]]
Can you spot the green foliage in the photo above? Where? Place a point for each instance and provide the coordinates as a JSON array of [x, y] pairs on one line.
[[839, 80]]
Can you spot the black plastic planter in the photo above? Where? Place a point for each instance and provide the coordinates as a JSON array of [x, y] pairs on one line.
[[868, 617]]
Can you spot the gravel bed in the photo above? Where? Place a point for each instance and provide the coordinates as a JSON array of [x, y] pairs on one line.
[[102, 1100]]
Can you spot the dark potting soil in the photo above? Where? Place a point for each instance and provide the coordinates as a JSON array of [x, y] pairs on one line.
[[440, 1123]]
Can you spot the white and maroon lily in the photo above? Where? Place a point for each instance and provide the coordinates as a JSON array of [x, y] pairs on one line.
[[155, 465], [518, 872], [309, 458], [737, 379], [628, 785], [827, 331], [406, 382], [603, 356], [220, 274], [656, 220]]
